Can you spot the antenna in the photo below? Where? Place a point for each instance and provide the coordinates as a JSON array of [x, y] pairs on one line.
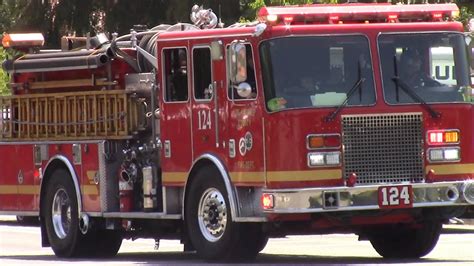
[[220, 24]]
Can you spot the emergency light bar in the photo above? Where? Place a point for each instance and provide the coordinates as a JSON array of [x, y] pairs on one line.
[[24, 40], [356, 13]]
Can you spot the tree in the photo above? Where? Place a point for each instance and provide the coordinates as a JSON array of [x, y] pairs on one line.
[[4, 78]]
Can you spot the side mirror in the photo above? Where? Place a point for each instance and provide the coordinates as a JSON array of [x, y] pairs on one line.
[[238, 63], [244, 90]]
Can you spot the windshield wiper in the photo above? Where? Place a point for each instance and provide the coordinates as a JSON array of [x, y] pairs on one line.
[[356, 86], [408, 90], [399, 83]]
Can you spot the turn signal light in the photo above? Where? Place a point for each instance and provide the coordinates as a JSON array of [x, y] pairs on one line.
[[439, 137], [323, 141], [37, 173], [267, 201], [315, 142]]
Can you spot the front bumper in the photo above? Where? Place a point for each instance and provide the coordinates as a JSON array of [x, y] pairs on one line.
[[330, 199]]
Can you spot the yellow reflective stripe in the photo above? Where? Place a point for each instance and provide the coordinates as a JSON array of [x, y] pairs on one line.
[[19, 189], [90, 176], [174, 177], [35, 190], [28, 190], [310, 175], [247, 177], [451, 169], [8, 189], [90, 190], [259, 177]]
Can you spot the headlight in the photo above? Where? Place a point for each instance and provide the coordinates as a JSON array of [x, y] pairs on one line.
[[316, 159], [468, 192], [449, 154]]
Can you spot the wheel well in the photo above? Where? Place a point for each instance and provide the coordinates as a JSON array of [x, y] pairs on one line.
[[211, 162], [50, 168], [199, 165]]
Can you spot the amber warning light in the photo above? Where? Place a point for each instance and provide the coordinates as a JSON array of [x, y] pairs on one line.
[[22, 40]]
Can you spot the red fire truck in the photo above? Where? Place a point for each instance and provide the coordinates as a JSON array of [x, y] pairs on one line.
[[314, 119]]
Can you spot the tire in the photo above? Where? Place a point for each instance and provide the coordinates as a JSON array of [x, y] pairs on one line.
[[103, 243], [61, 215], [261, 241], [401, 241], [254, 240], [209, 221]]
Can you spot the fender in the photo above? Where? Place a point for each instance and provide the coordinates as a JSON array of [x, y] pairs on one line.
[[225, 177], [75, 180]]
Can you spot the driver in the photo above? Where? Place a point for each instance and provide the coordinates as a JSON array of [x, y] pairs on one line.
[[299, 95], [411, 70]]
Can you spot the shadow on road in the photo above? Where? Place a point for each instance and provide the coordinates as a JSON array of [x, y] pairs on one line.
[[16, 223], [460, 230], [166, 258]]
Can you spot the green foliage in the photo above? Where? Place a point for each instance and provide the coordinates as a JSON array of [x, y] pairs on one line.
[[255, 5], [4, 78], [465, 15]]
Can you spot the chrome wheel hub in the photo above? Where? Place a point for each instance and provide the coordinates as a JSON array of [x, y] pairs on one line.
[[61, 213], [212, 214]]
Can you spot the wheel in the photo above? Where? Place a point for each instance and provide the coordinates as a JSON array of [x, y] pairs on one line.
[[61, 215], [110, 244], [254, 238], [103, 243], [209, 221], [261, 241], [401, 241]]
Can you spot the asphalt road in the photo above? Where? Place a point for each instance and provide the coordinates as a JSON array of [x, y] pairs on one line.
[[20, 245]]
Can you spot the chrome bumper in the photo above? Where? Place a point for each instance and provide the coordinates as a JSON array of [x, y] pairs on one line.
[[313, 200]]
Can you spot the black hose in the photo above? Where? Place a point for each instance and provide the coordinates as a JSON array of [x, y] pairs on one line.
[[148, 43], [113, 51]]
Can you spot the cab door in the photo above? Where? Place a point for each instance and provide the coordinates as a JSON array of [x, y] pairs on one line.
[[205, 124], [175, 123], [245, 120]]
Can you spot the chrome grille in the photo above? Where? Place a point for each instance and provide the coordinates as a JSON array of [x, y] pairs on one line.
[[385, 148]]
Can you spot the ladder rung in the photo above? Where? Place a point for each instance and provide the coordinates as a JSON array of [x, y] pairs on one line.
[[65, 116]]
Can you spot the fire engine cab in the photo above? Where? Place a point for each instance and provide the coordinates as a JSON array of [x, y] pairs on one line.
[[313, 119]]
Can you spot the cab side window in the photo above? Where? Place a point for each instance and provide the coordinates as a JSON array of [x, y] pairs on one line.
[[202, 73], [175, 74]]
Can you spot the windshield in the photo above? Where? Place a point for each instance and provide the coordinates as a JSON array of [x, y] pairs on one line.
[[432, 65], [316, 71]]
